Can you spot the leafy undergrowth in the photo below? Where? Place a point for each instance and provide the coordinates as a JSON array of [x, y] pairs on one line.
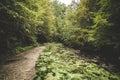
[[20, 49], [56, 63]]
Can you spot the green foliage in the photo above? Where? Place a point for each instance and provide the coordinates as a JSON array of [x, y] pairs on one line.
[[72, 37], [68, 31], [59, 10], [21, 49], [24, 23], [106, 28], [99, 19], [56, 63], [88, 25]]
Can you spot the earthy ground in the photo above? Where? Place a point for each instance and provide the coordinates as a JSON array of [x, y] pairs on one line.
[[21, 67]]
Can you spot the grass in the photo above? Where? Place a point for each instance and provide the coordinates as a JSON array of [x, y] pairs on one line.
[[56, 63]]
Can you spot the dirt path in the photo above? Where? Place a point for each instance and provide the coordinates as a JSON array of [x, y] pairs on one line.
[[21, 67]]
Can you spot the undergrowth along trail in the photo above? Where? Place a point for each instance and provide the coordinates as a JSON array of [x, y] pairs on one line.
[[57, 63]]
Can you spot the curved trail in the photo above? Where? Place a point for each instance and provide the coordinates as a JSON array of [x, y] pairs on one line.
[[21, 67]]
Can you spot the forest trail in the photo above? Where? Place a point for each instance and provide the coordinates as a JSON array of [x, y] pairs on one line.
[[21, 67]]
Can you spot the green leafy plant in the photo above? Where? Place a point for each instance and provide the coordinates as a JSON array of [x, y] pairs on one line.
[[56, 63]]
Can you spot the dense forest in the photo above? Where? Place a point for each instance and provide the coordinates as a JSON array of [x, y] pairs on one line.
[[91, 26]]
